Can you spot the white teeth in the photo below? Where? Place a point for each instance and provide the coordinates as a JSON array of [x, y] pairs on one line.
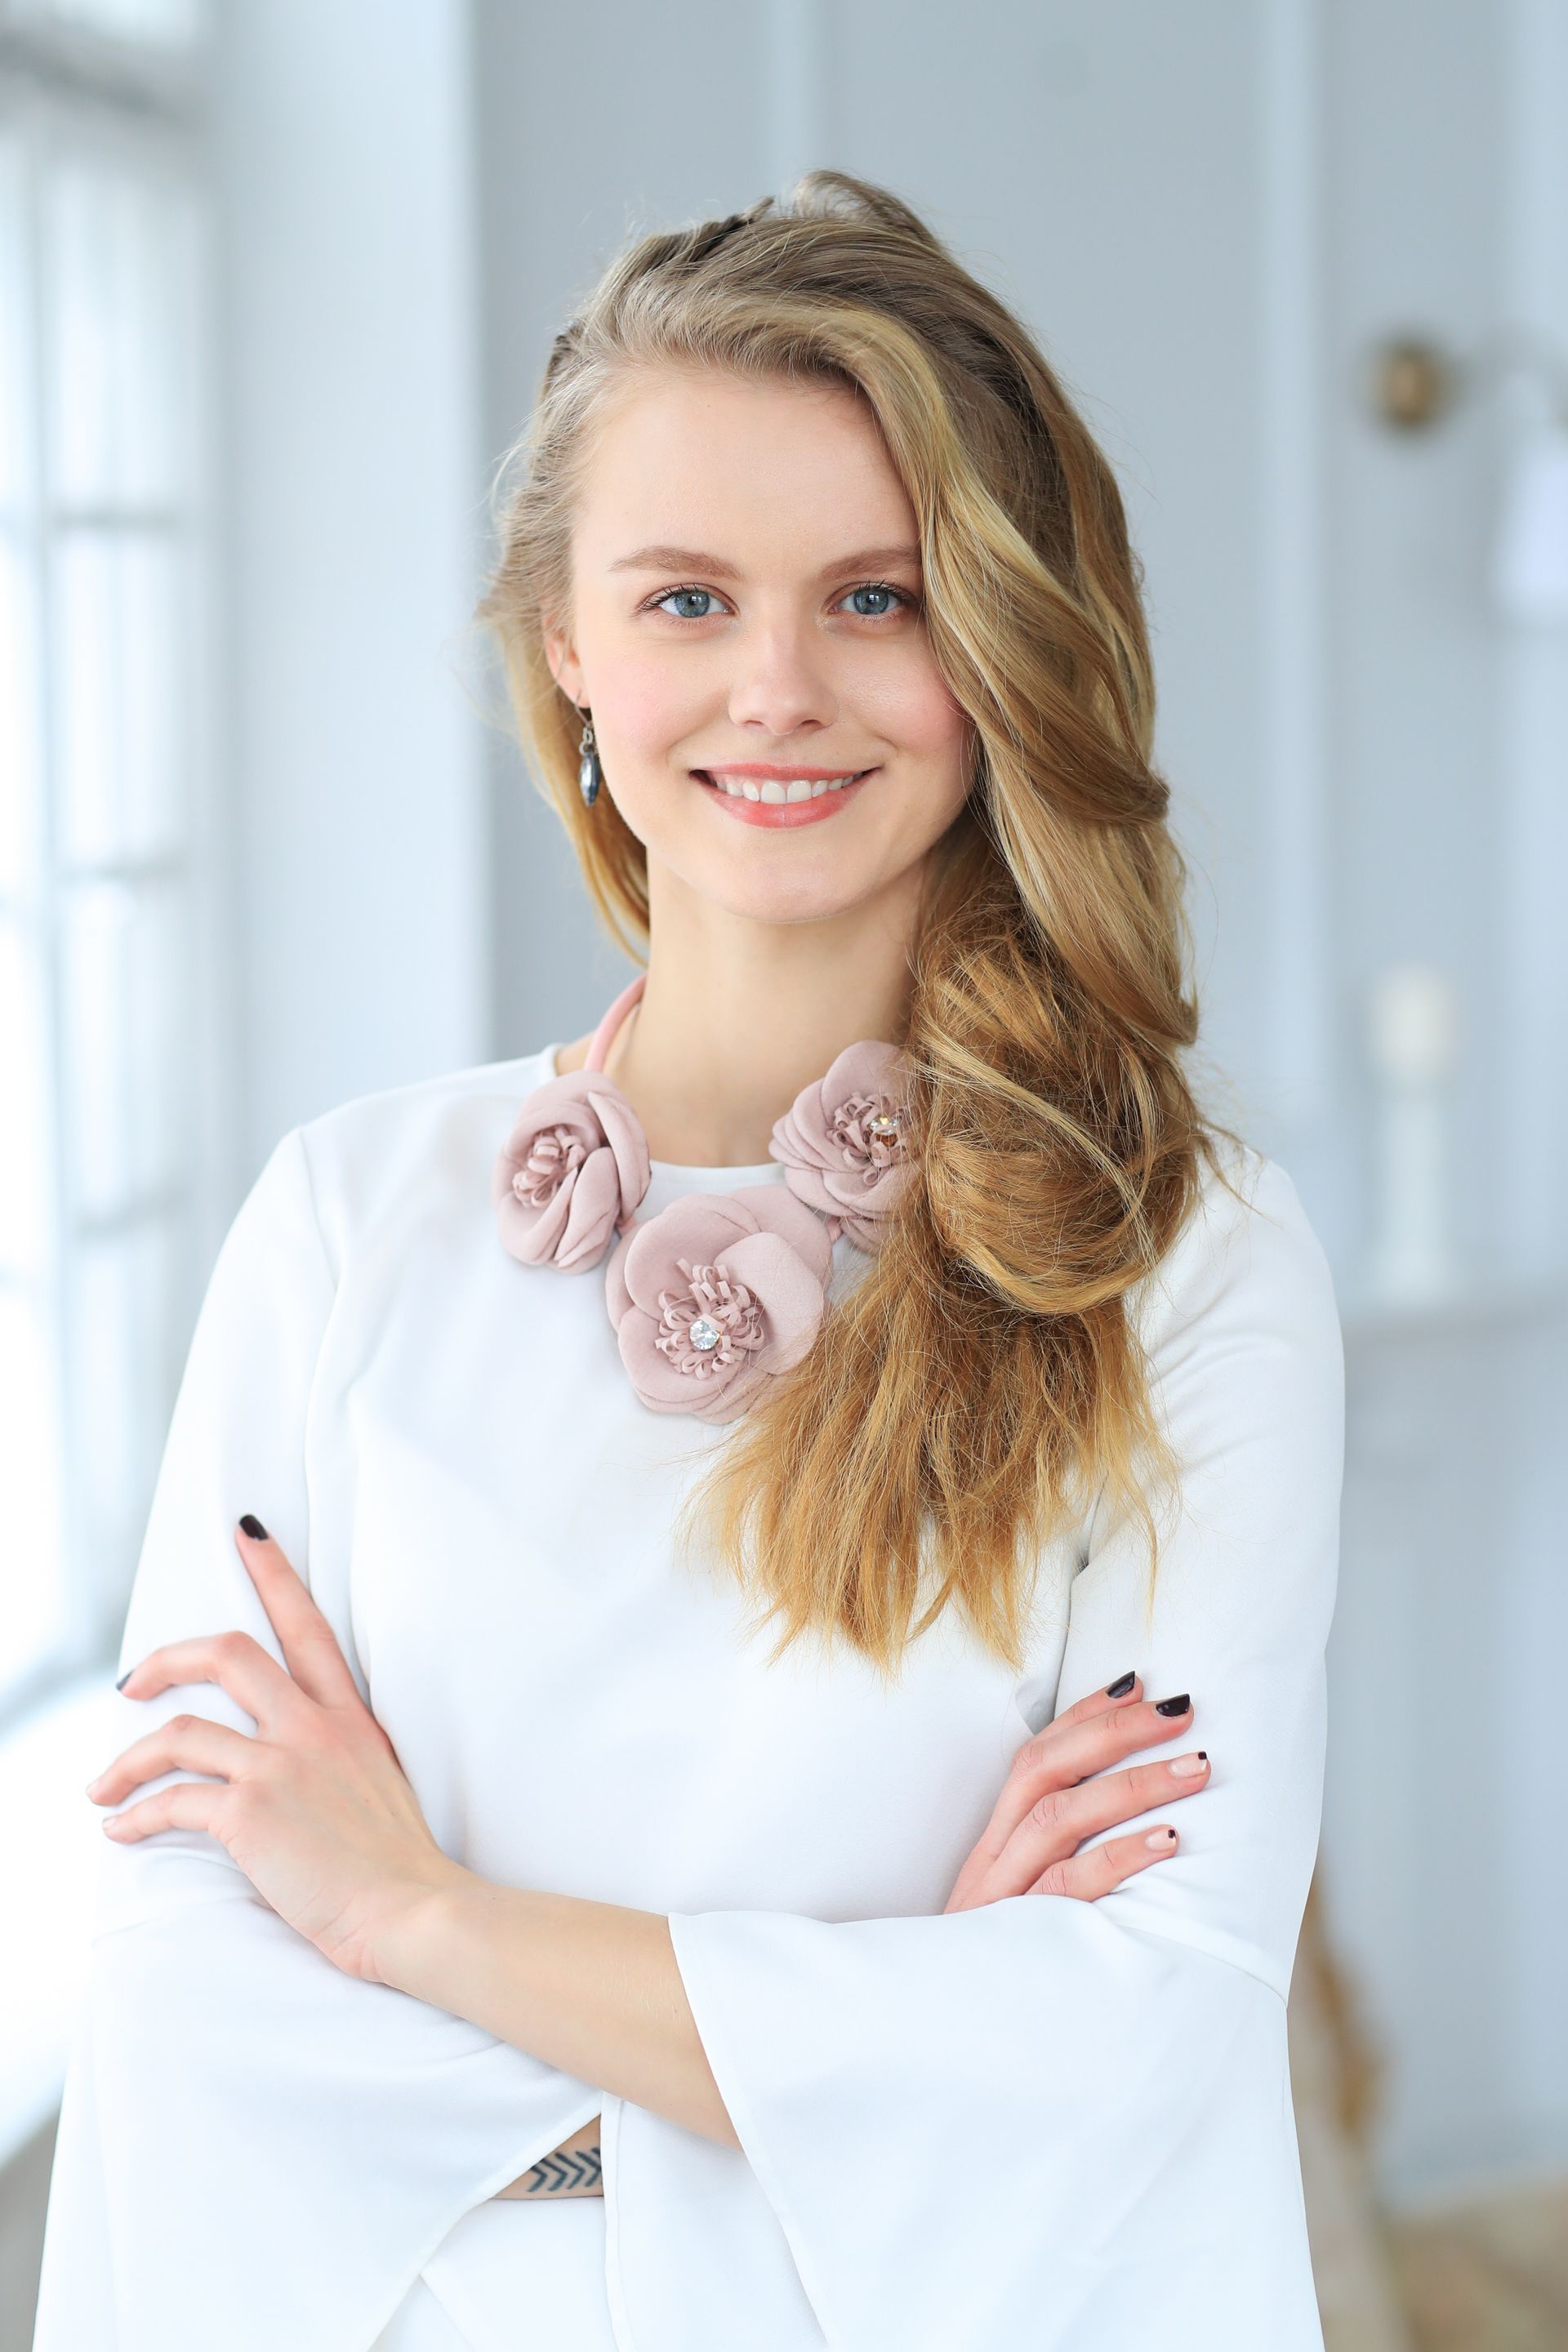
[[778, 790]]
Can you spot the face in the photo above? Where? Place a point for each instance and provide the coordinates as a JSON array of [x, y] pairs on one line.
[[746, 628]]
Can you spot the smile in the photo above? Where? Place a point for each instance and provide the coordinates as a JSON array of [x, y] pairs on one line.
[[778, 796]]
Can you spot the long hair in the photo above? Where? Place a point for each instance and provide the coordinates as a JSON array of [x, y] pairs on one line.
[[982, 1382]]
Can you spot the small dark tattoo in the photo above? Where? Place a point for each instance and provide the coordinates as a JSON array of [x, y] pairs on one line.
[[564, 2168]]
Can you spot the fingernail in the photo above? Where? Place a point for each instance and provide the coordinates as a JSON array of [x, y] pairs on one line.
[[1121, 1686], [125, 1677], [1187, 1768], [253, 1528], [1162, 1839], [1177, 1705]]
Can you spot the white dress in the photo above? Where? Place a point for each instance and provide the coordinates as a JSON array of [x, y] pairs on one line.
[[1049, 2123]]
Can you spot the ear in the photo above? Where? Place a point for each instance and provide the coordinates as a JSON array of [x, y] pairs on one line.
[[561, 654]]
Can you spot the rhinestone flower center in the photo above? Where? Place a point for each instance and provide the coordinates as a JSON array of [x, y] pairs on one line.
[[868, 1132], [710, 1325]]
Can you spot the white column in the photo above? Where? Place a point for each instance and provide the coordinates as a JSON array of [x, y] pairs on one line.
[[355, 480]]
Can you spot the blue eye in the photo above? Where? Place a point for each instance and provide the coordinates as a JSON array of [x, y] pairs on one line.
[[688, 603], [872, 602]]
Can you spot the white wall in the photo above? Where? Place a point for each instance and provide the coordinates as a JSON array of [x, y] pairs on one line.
[[344, 147]]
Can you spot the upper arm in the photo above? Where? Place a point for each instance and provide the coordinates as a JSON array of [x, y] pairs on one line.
[[237, 1442], [1243, 1345]]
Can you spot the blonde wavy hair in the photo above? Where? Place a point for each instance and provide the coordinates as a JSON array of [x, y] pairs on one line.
[[982, 1383]]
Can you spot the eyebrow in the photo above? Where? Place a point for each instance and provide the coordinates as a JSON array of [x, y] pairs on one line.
[[694, 558]]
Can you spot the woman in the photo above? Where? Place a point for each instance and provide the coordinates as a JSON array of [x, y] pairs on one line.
[[693, 1571]]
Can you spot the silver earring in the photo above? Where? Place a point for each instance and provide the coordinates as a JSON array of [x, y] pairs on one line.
[[590, 775]]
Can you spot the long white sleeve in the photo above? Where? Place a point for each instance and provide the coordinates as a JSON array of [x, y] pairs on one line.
[[1062, 2124], [255, 2150]]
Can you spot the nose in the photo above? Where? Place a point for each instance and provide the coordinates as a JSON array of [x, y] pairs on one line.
[[779, 685]]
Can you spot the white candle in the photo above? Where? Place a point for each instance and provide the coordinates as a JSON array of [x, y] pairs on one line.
[[1413, 1046]]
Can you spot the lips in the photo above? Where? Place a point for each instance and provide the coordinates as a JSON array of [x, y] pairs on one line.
[[761, 795], [779, 789]]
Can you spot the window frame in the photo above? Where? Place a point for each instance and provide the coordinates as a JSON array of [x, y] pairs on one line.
[[66, 88]]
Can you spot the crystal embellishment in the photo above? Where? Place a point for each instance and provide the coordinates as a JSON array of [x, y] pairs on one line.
[[883, 1123], [705, 1335]]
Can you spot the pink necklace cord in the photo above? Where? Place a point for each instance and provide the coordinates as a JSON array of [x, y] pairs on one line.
[[604, 1037]]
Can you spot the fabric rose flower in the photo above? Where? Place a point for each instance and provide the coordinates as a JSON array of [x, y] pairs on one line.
[[844, 1142], [716, 1296], [572, 1172]]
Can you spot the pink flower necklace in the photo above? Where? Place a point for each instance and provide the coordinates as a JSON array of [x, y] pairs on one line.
[[722, 1291]]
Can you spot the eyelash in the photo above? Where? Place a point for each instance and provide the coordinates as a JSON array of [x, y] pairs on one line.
[[696, 588]]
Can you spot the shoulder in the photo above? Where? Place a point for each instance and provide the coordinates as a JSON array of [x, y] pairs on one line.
[[399, 1150], [1244, 1270]]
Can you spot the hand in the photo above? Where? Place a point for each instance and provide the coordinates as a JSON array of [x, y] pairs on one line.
[[315, 1809], [1050, 1803]]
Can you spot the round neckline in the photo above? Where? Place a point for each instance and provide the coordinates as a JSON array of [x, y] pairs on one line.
[[696, 1177]]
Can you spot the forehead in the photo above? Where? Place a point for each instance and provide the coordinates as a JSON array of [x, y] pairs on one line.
[[764, 472]]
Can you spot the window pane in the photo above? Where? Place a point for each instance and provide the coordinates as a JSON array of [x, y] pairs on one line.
[[26, 1162], [121, 1395], [119, 664], [33, 1620], [16, 389], [117, 253], [20, 798], [123, 977], [163, 23]]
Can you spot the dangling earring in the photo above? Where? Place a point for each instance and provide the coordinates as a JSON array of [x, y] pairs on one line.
[[590, 775]]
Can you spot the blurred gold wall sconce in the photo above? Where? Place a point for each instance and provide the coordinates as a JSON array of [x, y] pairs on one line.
[[1414, 383], [1414, 380]]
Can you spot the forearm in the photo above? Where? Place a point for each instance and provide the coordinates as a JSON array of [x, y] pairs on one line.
[[591, 1987]]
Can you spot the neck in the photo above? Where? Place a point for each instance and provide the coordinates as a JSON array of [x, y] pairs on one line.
[[739, 1016]]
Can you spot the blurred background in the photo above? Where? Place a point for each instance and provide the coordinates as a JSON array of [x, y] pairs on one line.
[[277, 280]]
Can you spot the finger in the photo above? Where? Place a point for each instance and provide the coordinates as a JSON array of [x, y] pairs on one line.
[[308, 1644], [1121, 1692], [1074, 1750], [1066, 1751], [236, 1661], [187, 1743], [1086, 1876], [186, 1805], [1060, 1820]]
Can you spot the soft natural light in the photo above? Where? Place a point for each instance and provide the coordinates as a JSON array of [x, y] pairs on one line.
[[100, 229], [164, 23]]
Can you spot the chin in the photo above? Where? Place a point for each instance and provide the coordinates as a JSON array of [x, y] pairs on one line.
[[810, 893]]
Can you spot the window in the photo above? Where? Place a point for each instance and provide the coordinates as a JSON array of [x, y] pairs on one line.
[[104, 675]]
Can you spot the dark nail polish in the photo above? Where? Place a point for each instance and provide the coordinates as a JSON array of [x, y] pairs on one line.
[[253, 1528], [1204, 1755], [1121, 1686], [1177, 1705], [125, 1677]]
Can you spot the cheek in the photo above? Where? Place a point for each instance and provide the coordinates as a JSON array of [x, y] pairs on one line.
[[643, 707], [913, 710]]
